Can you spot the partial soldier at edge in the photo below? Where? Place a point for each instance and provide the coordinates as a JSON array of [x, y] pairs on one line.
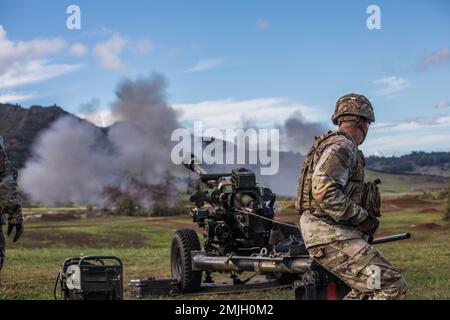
[[339, 211], [10, 202]]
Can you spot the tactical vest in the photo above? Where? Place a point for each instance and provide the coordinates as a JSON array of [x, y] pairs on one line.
[[355, 188]]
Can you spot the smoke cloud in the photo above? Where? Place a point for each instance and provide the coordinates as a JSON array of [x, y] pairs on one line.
[[300, 134], [75, 161], [299, 137]]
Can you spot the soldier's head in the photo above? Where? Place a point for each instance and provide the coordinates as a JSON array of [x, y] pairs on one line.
[[353, 115]]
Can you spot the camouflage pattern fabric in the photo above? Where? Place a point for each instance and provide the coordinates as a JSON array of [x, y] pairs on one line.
[[363, 268], [2, 247], [337, 188], [10, 200], [330, 217], [353, 105]]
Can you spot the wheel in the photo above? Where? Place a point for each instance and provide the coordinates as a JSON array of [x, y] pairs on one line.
[[183, 242]]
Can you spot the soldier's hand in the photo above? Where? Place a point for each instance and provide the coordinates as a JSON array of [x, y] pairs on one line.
[[369, 225], [18, 232]]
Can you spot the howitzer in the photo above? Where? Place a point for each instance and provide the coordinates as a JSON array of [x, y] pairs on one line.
[[236, 215], [221, 201]]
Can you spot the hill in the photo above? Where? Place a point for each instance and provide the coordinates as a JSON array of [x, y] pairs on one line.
[[429, 163], [20, 127]]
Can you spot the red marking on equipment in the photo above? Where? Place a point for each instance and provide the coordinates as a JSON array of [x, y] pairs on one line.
[[331, 291]]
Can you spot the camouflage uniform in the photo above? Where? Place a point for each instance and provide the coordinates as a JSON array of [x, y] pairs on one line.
[[10, 201], [330, 198]]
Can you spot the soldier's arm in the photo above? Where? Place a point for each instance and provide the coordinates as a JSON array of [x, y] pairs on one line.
[[330, 176]]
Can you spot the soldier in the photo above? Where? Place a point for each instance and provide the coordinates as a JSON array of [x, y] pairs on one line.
[[10, 202], [336, 221]]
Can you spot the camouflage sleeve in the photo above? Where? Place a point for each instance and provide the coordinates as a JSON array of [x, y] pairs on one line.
[[329, 179], [10, 200]]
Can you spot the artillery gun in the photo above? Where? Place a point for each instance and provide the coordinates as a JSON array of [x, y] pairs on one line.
[[236, 215]]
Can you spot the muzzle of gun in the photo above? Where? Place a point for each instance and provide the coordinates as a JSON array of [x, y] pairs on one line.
[[395, 237]]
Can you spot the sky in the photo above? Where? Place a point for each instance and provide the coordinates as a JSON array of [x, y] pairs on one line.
[[231, 63]]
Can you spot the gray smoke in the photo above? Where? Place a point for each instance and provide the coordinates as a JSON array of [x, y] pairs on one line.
[[300, 134], [298, 137], [91, 106], [74, 161]]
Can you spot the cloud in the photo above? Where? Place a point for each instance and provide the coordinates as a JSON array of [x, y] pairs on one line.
[[413, 124], [392, 85], [235, 113], [442, 104], [204, 64], [24, 62], [92, 112], [101, 118], [32, 72], [78, 49], [14, 97], [438, 58], [406, 142], [416, 134], [99, 31], [108, 52], [12, 52], [262, 24]]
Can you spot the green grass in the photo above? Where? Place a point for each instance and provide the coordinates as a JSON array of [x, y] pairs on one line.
[[403, 184], [144, 243], [54, 211]]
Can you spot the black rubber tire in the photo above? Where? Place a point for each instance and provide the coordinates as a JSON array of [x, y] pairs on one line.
[[183, 242]]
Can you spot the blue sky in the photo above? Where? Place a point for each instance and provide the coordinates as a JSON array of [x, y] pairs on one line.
[[276, 57]]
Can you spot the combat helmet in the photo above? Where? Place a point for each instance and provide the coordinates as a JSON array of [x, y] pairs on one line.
[[352, 105]]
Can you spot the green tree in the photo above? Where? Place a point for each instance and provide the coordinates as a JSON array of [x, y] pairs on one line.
[[447, 207], [126, 205]]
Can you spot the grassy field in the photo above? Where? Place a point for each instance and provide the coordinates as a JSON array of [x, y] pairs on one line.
[[144, 243], [394, 184]]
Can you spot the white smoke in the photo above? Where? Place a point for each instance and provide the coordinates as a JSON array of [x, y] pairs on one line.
[[74, 161]]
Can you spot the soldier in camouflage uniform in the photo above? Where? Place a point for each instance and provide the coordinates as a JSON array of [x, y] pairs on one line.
[[10, 202], [336, 220]]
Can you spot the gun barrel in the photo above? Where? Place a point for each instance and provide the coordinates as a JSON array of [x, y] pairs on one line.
[[394, 237], [202, 173], [195, 167], [203, 261]]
